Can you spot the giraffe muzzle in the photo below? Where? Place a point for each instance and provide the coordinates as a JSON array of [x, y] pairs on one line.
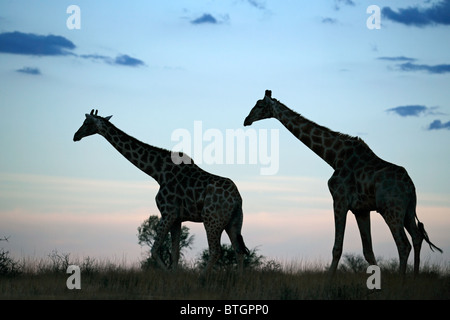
[[76, 137], [247, 122]]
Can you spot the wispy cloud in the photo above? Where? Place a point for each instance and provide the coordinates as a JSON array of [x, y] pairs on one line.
[[438, 125], [437, 14], [205, 18], [96, 57], [433, 69], [339, 3], [39, 45], [329, 20], [414, 111], [399, 58], [29, 70], [409, 65], [126, 60], [257, 4]]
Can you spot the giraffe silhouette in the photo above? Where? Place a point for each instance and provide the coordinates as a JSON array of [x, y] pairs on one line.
[[361, 182], [186, 193]]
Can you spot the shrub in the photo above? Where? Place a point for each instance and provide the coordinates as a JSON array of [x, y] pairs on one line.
[[8, 266]]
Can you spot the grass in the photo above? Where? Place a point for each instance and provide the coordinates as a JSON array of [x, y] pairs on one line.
[[46, 279]]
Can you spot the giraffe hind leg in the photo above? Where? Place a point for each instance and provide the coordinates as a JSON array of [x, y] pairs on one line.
[[413, 230], [233, 229], [237, 241], [394, 217]]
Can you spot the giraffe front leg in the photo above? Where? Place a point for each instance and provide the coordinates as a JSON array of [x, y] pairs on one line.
[[213, 235], [363, 220], [175, 233], [340, 218], [161, 232]]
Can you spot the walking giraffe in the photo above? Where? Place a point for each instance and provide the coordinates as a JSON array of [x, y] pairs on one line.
[[186, 193], [361, 182]]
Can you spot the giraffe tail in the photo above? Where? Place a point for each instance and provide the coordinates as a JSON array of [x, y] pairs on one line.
[[238, 214], [425, 236], [242, 247]]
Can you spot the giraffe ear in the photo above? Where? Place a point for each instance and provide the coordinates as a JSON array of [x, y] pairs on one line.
[[268, 93], [107, 118]]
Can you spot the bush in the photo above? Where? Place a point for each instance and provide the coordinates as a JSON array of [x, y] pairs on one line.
[[9, 266], [354, 263], [228, 259], [147, 235]]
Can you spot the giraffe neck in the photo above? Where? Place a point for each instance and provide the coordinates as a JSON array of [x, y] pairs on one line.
[[324, 142], [151, 160]]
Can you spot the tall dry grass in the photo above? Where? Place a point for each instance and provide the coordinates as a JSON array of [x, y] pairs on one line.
[[46, 279]]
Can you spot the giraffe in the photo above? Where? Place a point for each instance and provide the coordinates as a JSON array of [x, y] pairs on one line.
[[361, 182], [186, 193]]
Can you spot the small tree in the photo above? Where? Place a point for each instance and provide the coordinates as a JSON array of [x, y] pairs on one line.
[[8, 266], [147, 235]]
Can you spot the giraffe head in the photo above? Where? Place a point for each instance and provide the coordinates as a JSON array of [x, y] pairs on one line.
[[263, 109], [90, 126]]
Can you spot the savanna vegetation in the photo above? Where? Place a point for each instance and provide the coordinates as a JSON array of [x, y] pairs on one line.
[[262, 278]]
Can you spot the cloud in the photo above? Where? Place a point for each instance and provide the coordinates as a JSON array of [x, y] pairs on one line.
[[328, 20], [339, 3], [33, 44], [257, 4], [126, 60], [123, 60], [96, 57], [38, 45], [400, 58], [205, 18], [436, 69], [438, 125], [438, 13], [414, 110], [406, 111], [29, 70], [419, 110], [408, 65]]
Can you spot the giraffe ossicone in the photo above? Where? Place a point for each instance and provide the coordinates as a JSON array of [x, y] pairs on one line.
[[362, 182], [186, 193]]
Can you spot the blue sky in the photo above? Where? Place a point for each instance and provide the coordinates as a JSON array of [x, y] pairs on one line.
[[158, 67]]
